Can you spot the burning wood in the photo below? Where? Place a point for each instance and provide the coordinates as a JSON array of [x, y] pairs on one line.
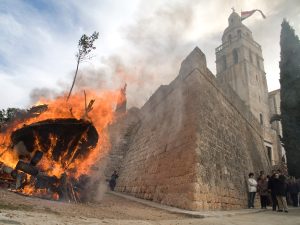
[[58, 141], [63, 139], [5, 173], [27, 168], [51, 152]]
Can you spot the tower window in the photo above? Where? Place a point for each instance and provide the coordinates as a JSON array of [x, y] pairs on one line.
[[261, 119], [224, 63], [235, 56], [257, 61], [250, 56], [269, 152], [229, 38], [239, 33]]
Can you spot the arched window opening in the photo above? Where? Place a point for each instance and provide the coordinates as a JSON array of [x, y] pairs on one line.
[[269, 152], [257, 61], [235, 56], [229, 38], [239, 33], [250, 56], [224, 63], [261, 119]]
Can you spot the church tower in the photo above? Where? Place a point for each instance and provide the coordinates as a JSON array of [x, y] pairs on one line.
[[240, 64]]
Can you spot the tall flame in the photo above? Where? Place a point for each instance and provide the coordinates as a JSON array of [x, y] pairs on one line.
[[101, 116]]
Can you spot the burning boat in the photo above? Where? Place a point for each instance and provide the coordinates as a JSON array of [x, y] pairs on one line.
[[43, 144], [52, 153]]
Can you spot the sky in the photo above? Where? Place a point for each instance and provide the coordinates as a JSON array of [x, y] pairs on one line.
[[141, 43]]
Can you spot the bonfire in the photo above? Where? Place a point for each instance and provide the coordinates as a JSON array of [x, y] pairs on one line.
[[53, 151]]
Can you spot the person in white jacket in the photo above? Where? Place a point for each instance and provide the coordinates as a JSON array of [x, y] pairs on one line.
[[252, 188]]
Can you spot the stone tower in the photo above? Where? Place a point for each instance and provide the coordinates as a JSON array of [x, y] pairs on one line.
[[240, 64]]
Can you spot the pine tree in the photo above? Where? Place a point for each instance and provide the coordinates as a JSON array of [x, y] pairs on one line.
[[290, 96]]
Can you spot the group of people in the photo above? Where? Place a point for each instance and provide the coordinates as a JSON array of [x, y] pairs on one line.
[[276, 189]]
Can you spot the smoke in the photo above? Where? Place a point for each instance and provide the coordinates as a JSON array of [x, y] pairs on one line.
[[154, 47], [159, 46], [42, 93], [91, 78], [163, 34], [98, 184]]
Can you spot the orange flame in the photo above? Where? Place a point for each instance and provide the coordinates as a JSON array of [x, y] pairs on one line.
[[101, 116], [31, 190]]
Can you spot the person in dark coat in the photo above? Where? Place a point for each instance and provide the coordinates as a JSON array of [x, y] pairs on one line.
[[262, 186], [261, 174], [271, 188], [293, 189], [113, 180], [280, 191]]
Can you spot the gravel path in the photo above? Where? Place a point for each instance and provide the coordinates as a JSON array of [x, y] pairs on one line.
[[18, 209]]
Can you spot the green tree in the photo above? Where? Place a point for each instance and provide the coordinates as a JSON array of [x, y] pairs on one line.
[[2, 116], [85, 46], [14, 113], [290, 96], [10, 114]]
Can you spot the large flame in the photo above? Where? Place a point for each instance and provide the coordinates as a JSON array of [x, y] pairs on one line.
[[101, 116]]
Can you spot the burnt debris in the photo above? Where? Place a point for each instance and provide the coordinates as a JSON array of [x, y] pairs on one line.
[[73, 138], [63, 140]]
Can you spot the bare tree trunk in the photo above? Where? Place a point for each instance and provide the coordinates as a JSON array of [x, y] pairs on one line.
[[74, 79]]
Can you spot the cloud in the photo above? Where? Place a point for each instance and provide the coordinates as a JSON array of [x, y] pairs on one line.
[[267, 34], [141, 42], [11, 94], [29, 51], [163, 34], [38, 46]]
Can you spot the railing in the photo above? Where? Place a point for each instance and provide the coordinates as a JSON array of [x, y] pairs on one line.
[[237, 38]]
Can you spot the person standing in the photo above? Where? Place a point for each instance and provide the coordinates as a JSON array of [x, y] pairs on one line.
[[271, 188], [113, 180], [262, 186], [280, 191], [293, 189], [261, 173], [252, 188]]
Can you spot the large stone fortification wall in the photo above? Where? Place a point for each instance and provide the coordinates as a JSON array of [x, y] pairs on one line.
[[193, 145]]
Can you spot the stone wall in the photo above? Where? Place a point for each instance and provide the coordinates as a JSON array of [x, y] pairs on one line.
[[120, 132], [194, 144]]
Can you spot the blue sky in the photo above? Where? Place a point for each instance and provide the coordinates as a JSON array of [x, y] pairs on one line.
[[141, 42]]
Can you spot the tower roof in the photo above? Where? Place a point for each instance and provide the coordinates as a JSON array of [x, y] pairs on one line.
[[234, 24], [234, 19]]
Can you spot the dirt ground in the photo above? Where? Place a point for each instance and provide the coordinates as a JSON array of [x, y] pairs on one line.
[[18, 209]]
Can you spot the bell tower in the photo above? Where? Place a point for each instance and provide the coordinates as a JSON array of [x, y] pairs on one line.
[[240, 64]]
